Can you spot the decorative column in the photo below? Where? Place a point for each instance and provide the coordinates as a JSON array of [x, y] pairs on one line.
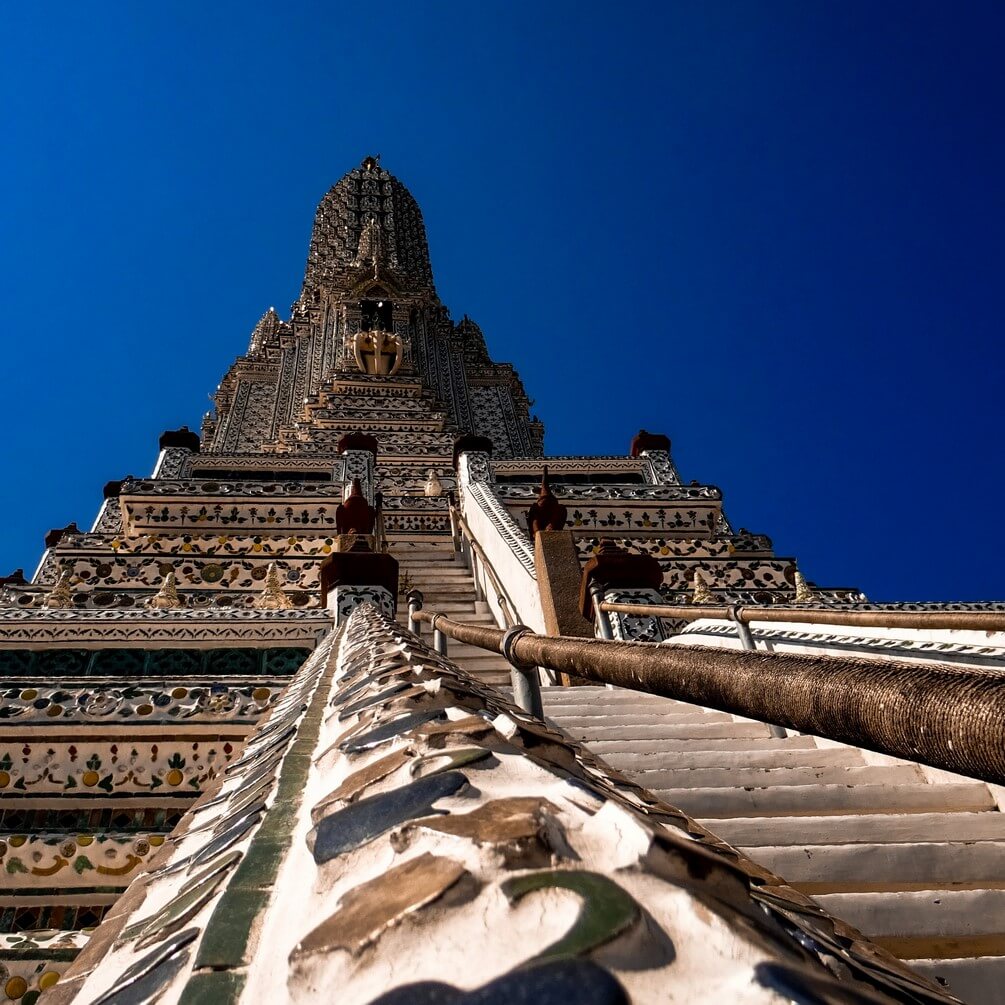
[[358, 459], [617, 576], [654, 451], [359, 576], [473, 460], [177, 447]]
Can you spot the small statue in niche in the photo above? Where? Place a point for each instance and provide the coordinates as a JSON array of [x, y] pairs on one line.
[[433, 487], [371, 245]]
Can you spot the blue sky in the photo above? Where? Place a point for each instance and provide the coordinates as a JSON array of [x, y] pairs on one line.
[[773, 231]]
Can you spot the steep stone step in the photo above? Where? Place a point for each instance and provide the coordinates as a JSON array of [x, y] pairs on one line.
[[647, 753], [436, 592], [477, 665], [626, 715], [697, 732], [828, 799], [728, 761], [764, 777], [864, 867], [978, 980], [929, 914], [886, 827]]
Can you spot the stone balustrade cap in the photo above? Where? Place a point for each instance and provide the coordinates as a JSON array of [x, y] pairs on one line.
[[359, 567], [470, 443], [617, 569], [644, 440], [357, 441], [183, 438]]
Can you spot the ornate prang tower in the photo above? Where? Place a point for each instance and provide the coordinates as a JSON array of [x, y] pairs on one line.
[[368, 309], [221, 753]]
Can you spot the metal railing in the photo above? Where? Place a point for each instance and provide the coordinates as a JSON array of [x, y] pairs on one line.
[[945, 716], [977, 621], [523, 676]]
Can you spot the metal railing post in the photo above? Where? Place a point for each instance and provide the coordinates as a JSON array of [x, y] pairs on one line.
[[479, 592], [414, 598], [455, 530], [439, 638], [747, 641], [603, 618], [525, 677]]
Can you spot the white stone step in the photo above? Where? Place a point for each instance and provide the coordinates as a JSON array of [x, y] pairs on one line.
[[775, 757], [589, 693], [671, 730], [434, 575], [462, 649], [626, 716], [651, 754], [425, 556], [885, 827], [789, 800], [873, 866], [442, 589], [978, 981], [928, 913], [449, 607], [763, 777], [480, 664]]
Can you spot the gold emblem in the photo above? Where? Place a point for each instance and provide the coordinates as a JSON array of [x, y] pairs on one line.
[[377, 352]]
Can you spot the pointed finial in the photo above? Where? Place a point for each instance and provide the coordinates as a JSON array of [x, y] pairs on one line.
[[804, 595], [61, 596], [545, 482], [702, 594], [272, 598], [166, 598]]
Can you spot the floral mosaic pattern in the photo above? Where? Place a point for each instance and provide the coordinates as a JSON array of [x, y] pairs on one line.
[[74, 860], [102, 766], [98, 702]]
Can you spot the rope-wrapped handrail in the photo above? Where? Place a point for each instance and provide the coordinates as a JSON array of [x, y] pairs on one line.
[[944, 716], [977, 621]]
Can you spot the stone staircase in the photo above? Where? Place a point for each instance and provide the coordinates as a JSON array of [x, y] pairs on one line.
[[917, 865], [433, 567]]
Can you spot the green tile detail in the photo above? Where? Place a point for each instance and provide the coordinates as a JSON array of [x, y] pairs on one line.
[[216, 987], [261, 864], [225, 943]]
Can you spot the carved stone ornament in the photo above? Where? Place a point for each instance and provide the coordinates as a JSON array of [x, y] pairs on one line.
[[804, 595], [272, 598], [166, 597], [702, 594], [61, 595], [433, 486], [378, 352]]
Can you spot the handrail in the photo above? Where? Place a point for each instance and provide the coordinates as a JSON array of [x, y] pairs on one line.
[[948, 717], [510, 532], [983, 621], [506, 604], [523, 676]]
